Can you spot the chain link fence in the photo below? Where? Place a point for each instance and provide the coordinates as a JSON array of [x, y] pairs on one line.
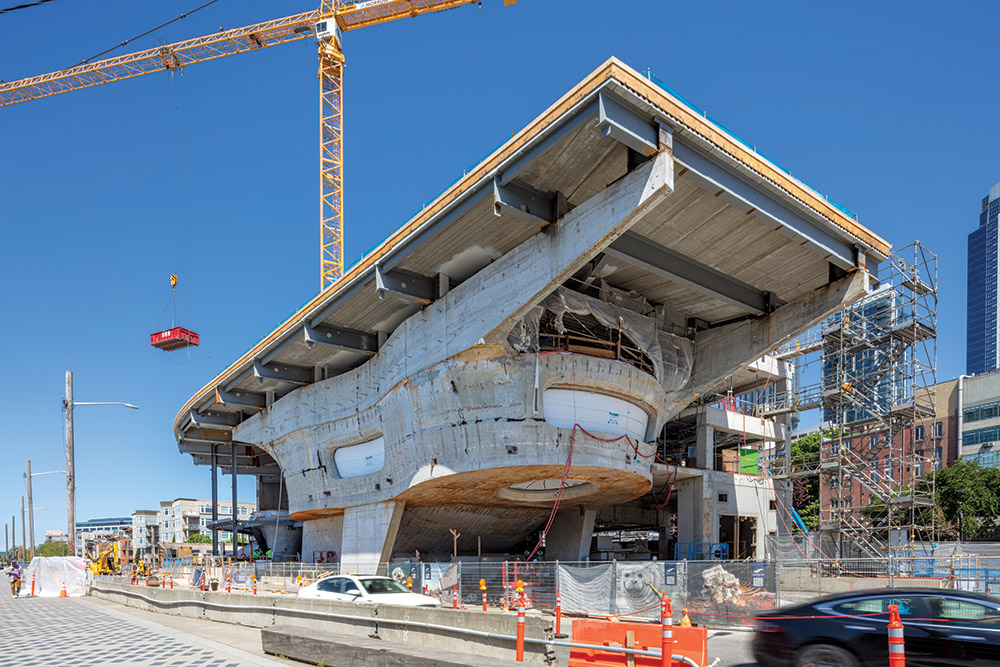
[[713, 592]]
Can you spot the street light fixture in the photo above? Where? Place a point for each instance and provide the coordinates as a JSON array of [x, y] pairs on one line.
[[31, 505], [68, 405]]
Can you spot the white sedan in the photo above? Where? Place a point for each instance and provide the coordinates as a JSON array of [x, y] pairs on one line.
[[366, 589]]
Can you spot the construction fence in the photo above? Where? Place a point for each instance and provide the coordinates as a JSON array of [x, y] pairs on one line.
[[714, 592]]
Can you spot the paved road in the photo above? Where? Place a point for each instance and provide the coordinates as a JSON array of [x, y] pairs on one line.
[[83, 632], [732, 648]]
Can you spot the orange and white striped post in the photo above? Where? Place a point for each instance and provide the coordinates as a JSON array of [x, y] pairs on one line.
[[229, 585], [482, 587], [409, 583], [454, 596], [558, 613], [299, 579], [171, 581], [253, 578], [519, 650], [204, 576], [32, 584], [427, 589], [667, 631], [897, 654], [163, 579]]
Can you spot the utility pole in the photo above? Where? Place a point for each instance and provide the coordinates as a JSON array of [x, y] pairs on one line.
[[13, 532], [70, 469], [24, 539], [6, 540], [31, 515]]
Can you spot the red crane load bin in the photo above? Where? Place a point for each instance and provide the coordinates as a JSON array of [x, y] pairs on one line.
[[175, 338]]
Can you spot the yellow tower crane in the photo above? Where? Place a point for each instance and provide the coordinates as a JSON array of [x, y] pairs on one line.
[[327, 23]]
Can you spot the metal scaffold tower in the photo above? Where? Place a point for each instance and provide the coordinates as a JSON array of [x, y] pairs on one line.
[[873, 368]]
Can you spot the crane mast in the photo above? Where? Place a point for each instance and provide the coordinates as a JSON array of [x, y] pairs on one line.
[[346, 14]]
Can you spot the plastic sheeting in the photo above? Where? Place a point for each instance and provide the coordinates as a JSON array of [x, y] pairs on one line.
[[671, 355], [620, 588], [51, 573]]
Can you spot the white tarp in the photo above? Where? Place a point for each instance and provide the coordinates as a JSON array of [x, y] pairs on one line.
[[671, 355], [51, 573]]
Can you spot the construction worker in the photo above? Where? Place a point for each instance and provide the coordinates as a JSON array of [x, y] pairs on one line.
[[15, 579]]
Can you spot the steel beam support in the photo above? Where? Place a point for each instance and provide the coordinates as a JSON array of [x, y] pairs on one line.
[[404, 286], [819, 240], [341, 338], [666, 263], [214, 462], [282, 372], [722, 351], [208, 435], [247, 399], [214, 419], [523, 202], [619, 122]]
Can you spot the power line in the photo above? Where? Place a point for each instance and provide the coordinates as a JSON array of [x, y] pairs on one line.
[[148, 32], [24, 6]]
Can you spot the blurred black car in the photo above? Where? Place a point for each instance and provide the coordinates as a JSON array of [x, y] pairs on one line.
[[941, 628]]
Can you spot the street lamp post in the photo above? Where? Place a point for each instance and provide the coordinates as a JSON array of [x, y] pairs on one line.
[[69, 404], [31, 505]]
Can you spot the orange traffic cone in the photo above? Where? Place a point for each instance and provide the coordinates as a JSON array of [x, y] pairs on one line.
[[62, 591]]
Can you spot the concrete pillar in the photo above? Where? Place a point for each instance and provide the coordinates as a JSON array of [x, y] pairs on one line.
[[321, 535], [705, 444], [283, 540], [691, 508], [267, 495], [570, 536], [369, 535]]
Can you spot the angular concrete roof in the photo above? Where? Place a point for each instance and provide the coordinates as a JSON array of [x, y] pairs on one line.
[[738, 238]]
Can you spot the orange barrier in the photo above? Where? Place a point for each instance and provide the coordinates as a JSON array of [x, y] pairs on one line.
[[897, 655], [690, 642], [454, 597], [558, 614], [519, 648]]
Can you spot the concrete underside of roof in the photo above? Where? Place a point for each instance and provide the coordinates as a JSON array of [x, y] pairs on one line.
[[611, 192]]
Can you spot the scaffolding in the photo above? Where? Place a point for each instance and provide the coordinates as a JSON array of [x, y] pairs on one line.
[[873, 367]]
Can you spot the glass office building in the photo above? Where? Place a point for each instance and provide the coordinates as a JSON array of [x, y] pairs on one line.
[[981, 326]]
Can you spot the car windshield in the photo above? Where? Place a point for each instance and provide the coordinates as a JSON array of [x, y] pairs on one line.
[[376, 586]]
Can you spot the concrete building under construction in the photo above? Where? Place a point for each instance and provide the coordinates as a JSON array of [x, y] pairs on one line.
[[519, 360]]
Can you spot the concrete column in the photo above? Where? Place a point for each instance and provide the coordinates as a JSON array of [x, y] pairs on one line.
[[267, 496], [369, 535], [570, 536], [691, 509], [705, 444], [320, 535]]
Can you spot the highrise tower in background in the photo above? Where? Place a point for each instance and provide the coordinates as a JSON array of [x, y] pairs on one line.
[[982, 326]]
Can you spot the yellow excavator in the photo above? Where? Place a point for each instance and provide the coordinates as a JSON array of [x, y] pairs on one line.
[[107, 561]]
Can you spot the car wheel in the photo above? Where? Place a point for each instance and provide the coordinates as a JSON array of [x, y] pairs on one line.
[[824, 655]]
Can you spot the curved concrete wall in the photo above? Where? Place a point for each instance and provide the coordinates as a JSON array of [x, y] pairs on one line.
[[456, 435], [457, 432]]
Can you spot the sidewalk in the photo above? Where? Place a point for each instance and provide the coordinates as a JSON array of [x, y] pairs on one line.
[[83, 631]]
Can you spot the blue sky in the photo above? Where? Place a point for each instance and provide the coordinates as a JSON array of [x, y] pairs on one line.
[[888, 108]]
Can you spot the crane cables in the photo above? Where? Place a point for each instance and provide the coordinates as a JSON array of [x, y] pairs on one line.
[[24, 6], [140, 36]]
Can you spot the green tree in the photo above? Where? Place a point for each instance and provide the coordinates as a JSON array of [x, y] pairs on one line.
[[968, 497], [49, 548], [805, 490], [198, 538]]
